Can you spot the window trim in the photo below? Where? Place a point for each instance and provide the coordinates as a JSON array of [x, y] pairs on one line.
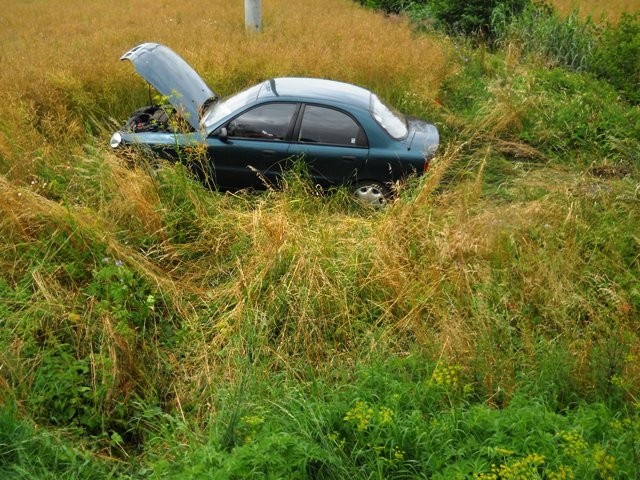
[[298, 126]]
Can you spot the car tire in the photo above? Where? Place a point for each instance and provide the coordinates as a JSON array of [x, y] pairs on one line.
[[371, 193]]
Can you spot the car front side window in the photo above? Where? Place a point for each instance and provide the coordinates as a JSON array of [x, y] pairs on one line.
[[265, 122], [329, 126]]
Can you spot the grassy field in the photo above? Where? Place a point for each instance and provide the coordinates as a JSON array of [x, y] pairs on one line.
[[484, 325], [596, 9]]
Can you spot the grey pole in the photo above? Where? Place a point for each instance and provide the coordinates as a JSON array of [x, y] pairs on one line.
[[253, 15]]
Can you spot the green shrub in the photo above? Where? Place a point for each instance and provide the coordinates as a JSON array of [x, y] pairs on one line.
[[609, 51], [617, 57], [472, 16], [540, 30]]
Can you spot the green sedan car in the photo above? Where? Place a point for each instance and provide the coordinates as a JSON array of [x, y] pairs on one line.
[[344, 133]]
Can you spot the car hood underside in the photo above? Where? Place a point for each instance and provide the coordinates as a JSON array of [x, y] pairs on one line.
[[173, 78]]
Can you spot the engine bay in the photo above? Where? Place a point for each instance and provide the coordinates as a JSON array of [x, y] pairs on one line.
[[157, 118]]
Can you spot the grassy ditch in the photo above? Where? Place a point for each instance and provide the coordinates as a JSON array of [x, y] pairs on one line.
[[483, 325]]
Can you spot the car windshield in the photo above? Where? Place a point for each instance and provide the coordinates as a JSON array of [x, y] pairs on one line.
[[218, 110], [390, 119]]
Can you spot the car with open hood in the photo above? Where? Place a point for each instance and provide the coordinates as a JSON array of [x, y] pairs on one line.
[[345, 134]]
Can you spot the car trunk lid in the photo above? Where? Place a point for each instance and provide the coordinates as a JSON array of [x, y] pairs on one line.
[[423, 136]]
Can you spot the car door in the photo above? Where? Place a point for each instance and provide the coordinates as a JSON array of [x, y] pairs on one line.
[[256, 139], [332, 142]]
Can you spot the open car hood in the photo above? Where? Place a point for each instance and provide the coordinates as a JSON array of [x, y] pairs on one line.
[[173, 78]]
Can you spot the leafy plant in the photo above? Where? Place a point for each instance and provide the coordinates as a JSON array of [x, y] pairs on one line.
[[473, 17], [566, 41], [616, 57]]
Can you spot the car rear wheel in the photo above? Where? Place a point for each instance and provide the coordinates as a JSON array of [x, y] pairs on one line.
[[371, 193]]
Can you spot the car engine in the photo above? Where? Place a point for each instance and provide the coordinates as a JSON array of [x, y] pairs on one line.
[[156, 118]]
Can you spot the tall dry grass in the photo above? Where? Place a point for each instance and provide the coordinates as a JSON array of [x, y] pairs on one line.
[[597, 9], [61, 74]]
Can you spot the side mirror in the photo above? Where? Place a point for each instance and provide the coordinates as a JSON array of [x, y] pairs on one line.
[[223, 134]]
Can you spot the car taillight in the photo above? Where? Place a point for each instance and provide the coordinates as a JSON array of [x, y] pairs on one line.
[[427, 162]]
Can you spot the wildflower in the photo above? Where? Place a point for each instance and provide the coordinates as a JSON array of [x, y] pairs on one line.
[[151, 301], [574, 445], [563, 473], [398, 454], [385, 415], [523, 469], [504, 451], [336, 439], [605, 464], [361, 415], [485, 476], [446, 376], [616, 425], [253, 420]]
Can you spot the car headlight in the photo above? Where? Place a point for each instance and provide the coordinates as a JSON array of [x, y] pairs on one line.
[[116, 140]]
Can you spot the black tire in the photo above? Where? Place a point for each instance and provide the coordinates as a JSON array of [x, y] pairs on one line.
[[371, 193]]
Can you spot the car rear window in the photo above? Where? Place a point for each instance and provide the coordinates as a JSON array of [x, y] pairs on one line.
[[388, 118]]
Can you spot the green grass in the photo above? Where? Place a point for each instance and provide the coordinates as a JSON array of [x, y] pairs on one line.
[[397, 419]]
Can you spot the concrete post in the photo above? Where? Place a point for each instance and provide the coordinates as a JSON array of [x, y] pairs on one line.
[[253, 15]]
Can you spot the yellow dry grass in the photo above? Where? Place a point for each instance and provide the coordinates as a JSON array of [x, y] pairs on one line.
[[334, 38], [60, 69], [611, 9]]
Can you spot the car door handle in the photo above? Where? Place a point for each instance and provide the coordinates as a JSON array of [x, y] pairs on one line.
[[348, 158], [268, 153]]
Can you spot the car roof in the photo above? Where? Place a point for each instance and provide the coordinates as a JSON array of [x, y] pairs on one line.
[[316, 89]]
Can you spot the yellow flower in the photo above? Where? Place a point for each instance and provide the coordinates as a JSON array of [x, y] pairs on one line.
[[523, 469], [574, 445], [398, 454], [485, 476], [563, 473], [385, 415], [605, 464], [253, 420], [362, 415], [503, 451], [446, 376]]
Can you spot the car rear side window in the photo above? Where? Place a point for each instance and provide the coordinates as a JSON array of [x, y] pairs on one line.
[[265, 122], [330, 126]]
